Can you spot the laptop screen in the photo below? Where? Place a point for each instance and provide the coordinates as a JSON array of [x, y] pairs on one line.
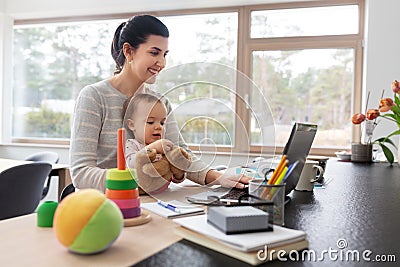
[[297, 149]]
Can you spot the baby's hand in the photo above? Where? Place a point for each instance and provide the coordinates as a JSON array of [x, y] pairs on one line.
[[162, 146]]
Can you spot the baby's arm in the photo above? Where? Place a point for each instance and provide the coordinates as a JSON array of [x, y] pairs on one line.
[[131, 148]]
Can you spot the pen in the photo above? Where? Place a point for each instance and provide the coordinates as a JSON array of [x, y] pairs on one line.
[[290, 170], [168, 206]]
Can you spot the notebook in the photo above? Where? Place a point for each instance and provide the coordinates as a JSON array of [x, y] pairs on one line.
[[185, 209], [241, 246], [252, 257], [296, 149]]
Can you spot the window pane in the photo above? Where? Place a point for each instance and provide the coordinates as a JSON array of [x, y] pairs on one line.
[[202, 94], [313, 21], [203, 101], [52, 63], [204, 37], [307, 86]]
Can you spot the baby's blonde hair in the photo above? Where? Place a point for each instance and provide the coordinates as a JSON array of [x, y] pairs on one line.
[[132, 103]]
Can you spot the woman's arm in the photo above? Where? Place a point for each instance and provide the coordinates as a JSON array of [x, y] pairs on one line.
[[216, 177], [97, 116], [199, 171]]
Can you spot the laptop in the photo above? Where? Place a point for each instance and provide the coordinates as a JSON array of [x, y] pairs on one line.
[[296, 149]]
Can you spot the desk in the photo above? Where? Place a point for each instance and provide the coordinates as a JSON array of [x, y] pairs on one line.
[[24, 244], [360, 205], [60, 170]]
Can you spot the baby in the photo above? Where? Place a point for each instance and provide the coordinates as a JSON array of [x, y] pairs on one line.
[[145, 117]]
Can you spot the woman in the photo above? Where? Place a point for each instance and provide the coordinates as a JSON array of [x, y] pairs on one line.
[[139, 48]]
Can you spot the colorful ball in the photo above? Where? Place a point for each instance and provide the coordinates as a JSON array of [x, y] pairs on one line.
[[86, 222]]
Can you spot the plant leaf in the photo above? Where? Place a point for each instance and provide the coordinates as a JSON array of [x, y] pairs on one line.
[[388, 153], [389, 115], [396, 110], [394, 133], [383, 140], [396, 99]]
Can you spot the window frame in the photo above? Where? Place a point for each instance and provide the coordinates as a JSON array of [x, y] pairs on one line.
[[245, 47]]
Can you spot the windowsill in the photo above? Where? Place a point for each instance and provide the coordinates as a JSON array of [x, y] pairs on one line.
[[35, 145], [314, 151]]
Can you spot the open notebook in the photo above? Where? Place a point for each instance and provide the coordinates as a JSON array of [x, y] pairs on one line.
[[184, 209]]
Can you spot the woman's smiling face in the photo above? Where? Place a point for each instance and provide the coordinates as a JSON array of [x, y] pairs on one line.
[[149, 58]]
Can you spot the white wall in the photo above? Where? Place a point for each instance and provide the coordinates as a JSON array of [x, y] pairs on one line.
[[381, 53], [50, 8]]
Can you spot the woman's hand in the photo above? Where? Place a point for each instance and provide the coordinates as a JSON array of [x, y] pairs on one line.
[[227, 180]]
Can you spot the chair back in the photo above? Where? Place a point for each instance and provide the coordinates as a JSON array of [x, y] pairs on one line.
[[69, 189], [44, 156], [21, 188]]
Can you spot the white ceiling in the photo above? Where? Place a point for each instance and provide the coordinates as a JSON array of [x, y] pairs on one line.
[[28, 9]]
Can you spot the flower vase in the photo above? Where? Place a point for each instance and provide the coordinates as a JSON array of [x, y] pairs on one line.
[[361, 152]]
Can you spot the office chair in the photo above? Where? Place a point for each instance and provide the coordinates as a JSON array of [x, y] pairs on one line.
[[21, 188], [66, 191], [45, 156]]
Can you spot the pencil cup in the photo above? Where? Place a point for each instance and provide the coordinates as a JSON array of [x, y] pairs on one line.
[[274, 194]]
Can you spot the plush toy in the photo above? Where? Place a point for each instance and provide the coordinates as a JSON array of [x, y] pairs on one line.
[[154, 171]]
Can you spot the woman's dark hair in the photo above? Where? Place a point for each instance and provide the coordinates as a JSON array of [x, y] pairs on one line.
[[135, 31]]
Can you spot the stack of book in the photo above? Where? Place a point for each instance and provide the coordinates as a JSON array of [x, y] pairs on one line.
[[253, 248]]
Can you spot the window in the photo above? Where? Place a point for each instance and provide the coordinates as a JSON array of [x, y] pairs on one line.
[[250, 72], [303, 60], [191, 81], [52, 63]]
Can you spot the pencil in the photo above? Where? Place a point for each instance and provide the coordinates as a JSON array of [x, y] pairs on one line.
[[278, 182], [278, 170], [282, 164]]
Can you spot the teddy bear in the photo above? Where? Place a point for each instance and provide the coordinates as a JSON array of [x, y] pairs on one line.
[[155, 172]]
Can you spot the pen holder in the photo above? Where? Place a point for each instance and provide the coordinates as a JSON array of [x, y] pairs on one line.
[[275, 194]]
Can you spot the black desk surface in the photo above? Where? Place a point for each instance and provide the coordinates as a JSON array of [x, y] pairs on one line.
[[359, 208]]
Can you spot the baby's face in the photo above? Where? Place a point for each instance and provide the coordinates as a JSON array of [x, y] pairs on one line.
[[148, 122]]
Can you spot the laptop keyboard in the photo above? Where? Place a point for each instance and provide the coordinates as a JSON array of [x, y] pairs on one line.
[[235, 193]]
